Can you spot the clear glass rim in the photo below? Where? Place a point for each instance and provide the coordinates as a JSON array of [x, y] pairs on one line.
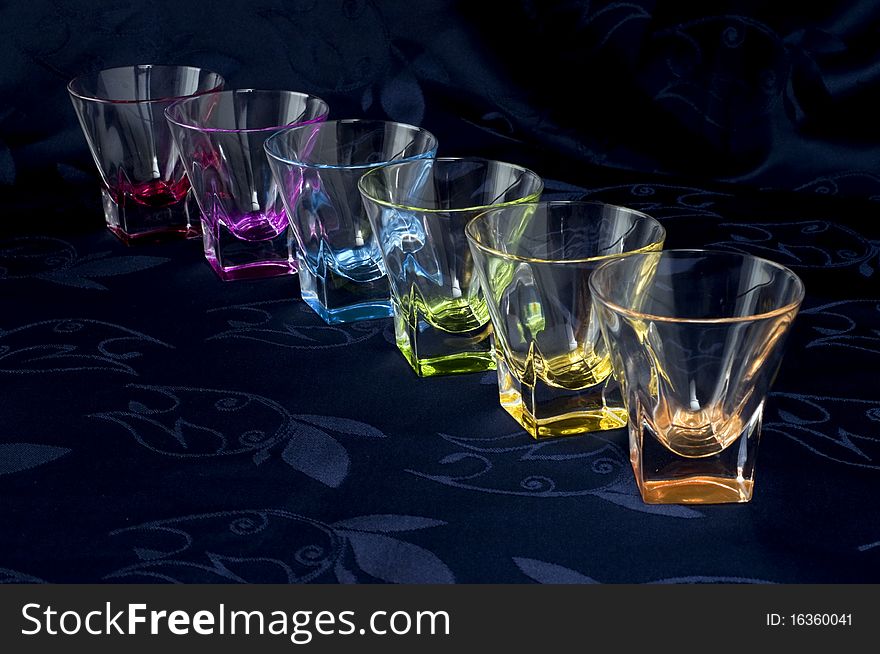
[[787, 308], [527, 199], [469, 229], [96, 98], [271, 144], [325, 110]]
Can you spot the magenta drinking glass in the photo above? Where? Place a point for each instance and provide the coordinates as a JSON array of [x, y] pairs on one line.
[[121, 111], [220, 135]]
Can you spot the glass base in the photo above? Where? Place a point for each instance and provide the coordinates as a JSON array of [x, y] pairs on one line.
[[697, 490], [233, 258], [134, 223], [664, 477], [252, 271], [352, 313], [545, 411], [453, 364], [431, 351], [338, 299]]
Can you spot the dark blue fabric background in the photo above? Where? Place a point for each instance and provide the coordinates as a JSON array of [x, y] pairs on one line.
[[160, 425]]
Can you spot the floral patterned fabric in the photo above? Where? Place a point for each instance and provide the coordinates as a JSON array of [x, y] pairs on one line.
[[161, 425]]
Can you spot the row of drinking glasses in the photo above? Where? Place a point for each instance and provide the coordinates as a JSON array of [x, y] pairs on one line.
[[590, 325]]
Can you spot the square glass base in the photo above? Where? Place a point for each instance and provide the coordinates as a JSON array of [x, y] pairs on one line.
[[431, 351], [233, 258], [338, 299], [545, 411], [135, 223], [665, 477]]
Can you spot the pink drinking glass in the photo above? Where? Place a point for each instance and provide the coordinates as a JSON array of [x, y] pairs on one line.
[[245, 228], [121, 112]]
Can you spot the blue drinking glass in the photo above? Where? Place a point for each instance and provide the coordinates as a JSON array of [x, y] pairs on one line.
[[317, 167]]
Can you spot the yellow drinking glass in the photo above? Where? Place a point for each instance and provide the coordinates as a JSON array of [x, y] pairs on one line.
[[534, 262]]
